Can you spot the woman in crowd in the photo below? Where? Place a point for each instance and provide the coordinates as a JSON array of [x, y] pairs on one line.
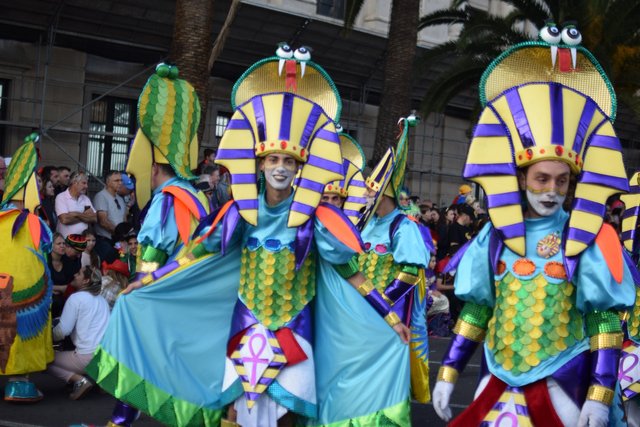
[[47, 207], [89, 255], [115, 278], [84, 318]]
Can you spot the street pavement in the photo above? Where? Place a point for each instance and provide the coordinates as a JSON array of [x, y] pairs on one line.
[[57, 410]]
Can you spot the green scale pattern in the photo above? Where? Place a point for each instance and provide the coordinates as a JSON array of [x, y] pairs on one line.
[[272, 289], [380, 269], [633, 324], [533, 320]]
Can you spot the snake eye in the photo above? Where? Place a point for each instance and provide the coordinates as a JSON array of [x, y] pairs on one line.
[[302, 53], [571, 36], [550, 33], [284, 51]]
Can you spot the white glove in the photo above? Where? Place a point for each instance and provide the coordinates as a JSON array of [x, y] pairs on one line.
[[593, 414], [441, 395]]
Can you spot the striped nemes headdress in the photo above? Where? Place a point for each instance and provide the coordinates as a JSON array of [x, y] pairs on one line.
[[630, 235], [168, 118], [289, 105], [535, 110], [20, 179], [351, 187]]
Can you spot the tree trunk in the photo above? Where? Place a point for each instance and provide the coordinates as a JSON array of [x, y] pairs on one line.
[[191, 47], [395, 101]]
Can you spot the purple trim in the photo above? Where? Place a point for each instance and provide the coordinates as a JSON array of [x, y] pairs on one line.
[[247, 204], [123, 414], [604, 367], [285, 118], [557, 115], [327, 135], [302, 208], [605, 141], [357, 183], [583, 125], [520, 409], [243, 178], [589, 206], [258, 112], [455, 259], [631, 212], [354, 199], [165, 269], [496, 244], [579, 235], [427, 239], [312, 120], [201, 212], [301, 324], [626, 235], [375, 300], [238, 124], [164, 209], [351, 212], [243, 318], [573, 378], [304, 237], [397, 289], [520, 118], [570, 266], [325, 164], [460, 351], [476, 169], [634, 189], [236, 153], [489, 130], [318, 187], [503, 199], [20, 219], [229, 224], [513, 230]]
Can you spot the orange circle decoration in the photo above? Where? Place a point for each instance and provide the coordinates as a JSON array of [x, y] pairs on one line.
[[501, 268], [524, 267], [555, 269]]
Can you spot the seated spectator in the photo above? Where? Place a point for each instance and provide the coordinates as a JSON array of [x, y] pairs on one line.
[[62, 268], [84, 318], [89, 256], [115, 278], [73, 207]]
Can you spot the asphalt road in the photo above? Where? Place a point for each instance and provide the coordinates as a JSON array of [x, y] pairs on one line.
[[57, 410]]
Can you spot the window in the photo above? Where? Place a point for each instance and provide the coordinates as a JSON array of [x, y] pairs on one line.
[[4, 105], [222, 120], [112, 127], [331, 8]]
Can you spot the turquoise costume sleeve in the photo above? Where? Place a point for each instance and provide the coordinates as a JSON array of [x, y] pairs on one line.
[[213, 241], [474, 279], [407, 245], [596, 287], [329, 247], [163, 237]]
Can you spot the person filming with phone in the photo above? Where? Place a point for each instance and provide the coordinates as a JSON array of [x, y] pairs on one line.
[[73, 208]]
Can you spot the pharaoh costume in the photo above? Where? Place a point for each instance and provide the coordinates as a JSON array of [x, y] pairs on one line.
[[25, 287], [542, 294], [364, 370], [629, 370], [168, 117]]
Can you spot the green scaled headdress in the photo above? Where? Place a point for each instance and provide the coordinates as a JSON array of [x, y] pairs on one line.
[[20, 180], [168, 118]]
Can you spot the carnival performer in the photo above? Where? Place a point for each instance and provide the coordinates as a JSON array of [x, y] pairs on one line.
[[161, 158], [629, 370], [542, 287], [369, 383], [25, 287]]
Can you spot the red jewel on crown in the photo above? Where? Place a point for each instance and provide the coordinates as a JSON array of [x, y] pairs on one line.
[[283, 145], [542, 151], [262, 146], [529, 153], [302, 152], [559, 150]]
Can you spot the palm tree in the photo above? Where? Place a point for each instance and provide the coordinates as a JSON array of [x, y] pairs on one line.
[[609, 30], [395, 100]]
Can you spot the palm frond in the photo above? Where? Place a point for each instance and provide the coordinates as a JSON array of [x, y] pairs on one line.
[[352, 10], [442, 17]]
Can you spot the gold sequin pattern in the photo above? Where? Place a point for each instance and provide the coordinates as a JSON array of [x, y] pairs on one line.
[[603, 341], [380, 269], [448, 374], [633, 324], [272, 289], [600, 394], [533, 320]]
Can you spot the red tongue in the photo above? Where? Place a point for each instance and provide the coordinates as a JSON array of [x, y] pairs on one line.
[[290, 81], [564, 60]]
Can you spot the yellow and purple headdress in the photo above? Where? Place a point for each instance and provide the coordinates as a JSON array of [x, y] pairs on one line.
[[20, 181], [351, 187], [283, 104], [168, 118], [387, 178], [536, 109], [630, 236]]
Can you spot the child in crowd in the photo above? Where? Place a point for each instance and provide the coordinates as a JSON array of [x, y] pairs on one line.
[[438, 317], [115, 278]]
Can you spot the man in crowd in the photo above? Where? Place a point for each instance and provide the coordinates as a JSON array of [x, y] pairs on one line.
[[64, 174], [112, 210], [73, 207]]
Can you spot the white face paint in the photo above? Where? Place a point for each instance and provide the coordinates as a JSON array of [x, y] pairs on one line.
[[545, 204], [279, 177]]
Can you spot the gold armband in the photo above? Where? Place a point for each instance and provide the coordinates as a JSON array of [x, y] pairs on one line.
[[600, 394], [448, 374], [604, 341], [147, 266], [392, 319], [365, 288], [146, 279], [469, 331], [411, 279]]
